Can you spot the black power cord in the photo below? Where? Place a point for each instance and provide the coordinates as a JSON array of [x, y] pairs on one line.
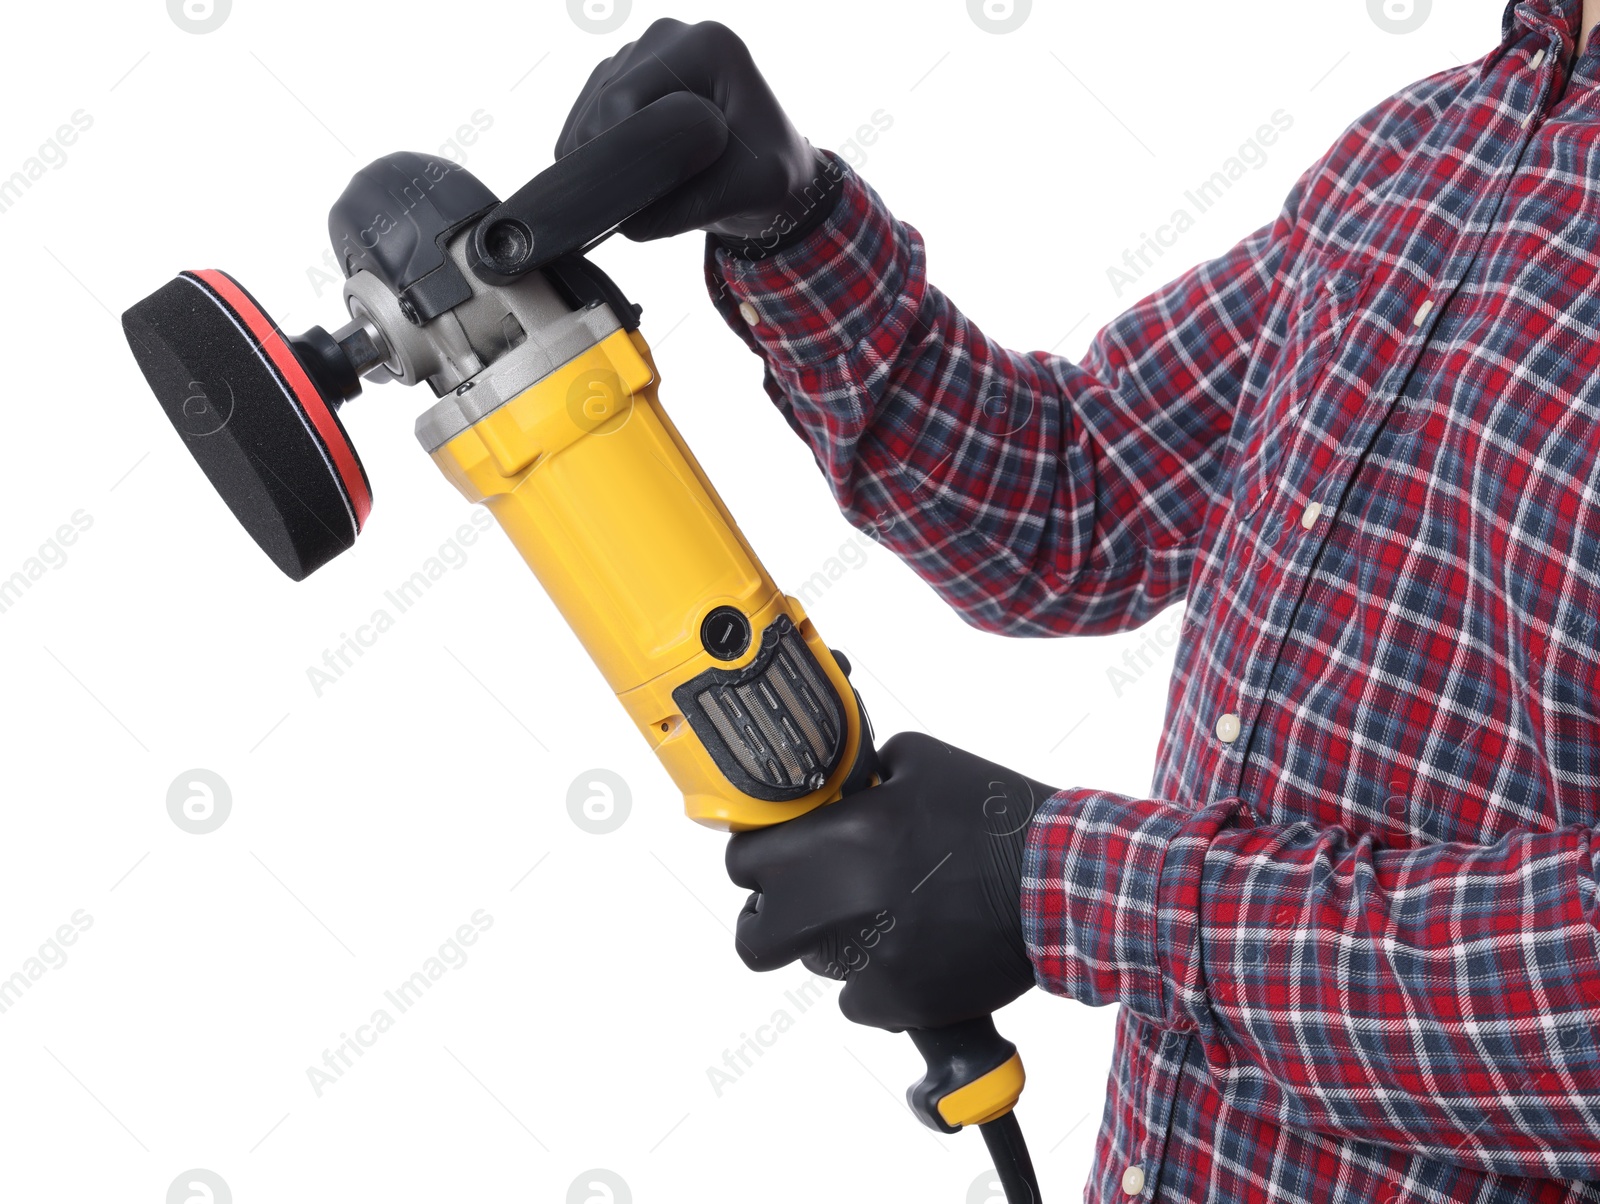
[[1003, 1136]]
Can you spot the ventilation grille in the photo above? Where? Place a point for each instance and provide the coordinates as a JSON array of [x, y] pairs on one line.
[[775, 727]]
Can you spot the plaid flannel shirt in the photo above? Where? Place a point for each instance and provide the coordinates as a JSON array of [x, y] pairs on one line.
[[1353, 929]]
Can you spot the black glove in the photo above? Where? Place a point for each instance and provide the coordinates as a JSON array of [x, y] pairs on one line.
[[767, 184], [911, 891]]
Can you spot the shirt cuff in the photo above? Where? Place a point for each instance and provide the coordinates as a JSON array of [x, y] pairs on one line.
[[817, 299], [1110, 900]]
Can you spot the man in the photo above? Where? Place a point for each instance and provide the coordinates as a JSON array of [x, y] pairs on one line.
[[1354, 928]]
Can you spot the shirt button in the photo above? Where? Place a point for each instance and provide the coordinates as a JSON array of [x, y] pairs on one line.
[[1228, 728], [749, 312], [1423, 311], [1537, 58], [1133, 1180], [1312, 513]]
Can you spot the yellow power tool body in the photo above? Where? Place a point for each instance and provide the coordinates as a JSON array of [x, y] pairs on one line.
[[722, 673]]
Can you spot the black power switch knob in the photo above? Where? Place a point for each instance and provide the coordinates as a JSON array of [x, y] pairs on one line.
[[725, 633]]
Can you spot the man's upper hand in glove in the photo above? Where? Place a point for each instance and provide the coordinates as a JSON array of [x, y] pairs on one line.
[[911, 892], [768, 186]]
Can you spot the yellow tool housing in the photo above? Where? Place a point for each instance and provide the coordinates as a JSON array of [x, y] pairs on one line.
[[608, 506]]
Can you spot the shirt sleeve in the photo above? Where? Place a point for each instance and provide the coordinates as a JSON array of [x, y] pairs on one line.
[[1442, 1000], [1036, 495]]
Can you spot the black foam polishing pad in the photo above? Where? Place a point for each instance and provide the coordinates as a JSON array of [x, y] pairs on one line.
[[246, 408]]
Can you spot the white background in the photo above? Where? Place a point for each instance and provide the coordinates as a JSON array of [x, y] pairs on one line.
[[369, 822]]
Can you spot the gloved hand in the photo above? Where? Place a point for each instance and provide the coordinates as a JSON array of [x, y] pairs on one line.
[[756, 190], [911, 891]]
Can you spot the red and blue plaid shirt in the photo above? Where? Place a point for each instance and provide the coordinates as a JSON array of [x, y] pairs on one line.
[[1353, 931]]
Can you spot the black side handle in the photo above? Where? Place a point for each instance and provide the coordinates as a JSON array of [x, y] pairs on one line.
[[598, 186]]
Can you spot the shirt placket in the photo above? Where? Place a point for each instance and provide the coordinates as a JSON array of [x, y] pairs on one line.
[[1141, 1178], [1311, 521]]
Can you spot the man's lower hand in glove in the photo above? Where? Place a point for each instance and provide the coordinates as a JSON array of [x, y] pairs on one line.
[[910, 892]]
